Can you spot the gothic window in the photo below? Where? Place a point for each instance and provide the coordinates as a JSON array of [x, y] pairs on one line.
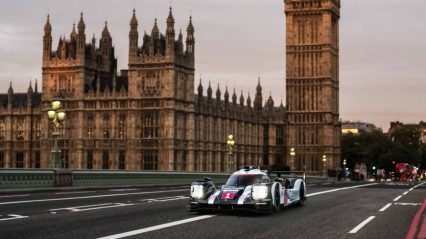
[[150, 84], [2, 131], [121, 127], [150, 160], [1, 159], [90, 127], [62, 83], [121, 160], [89, 160], [20, 131], [37, 159], [65, 158], [105, 159], [149, 124], [19, 160], [37, 130], [106, 127]]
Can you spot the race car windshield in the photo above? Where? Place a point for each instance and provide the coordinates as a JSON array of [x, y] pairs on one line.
[[242, 180]]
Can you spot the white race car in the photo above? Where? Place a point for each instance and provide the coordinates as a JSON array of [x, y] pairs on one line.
[[248, 188]]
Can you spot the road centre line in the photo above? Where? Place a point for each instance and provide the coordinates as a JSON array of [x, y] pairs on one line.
[[86, 197], [175, 223], [385, 207], [339, 189], [63, 193], [405, 193], [13, 217], [361, 225], [11, 196], [397, 198]]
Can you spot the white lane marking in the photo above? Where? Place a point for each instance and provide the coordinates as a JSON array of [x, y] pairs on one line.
[[11, 196], [362, 224], [164, 199], [310, 185], [158, 227], [407, 204], [77, 192], [411, 189], [397, 198], [339, 189], [385, 207], [91, 207], [13, 217], [326, 183], [124, 189], [405, 193], [86, 197]]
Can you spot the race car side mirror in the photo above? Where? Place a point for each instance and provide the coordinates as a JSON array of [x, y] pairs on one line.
[[279, 180]]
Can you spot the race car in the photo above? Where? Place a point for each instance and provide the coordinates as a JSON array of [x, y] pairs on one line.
[[248, 188]]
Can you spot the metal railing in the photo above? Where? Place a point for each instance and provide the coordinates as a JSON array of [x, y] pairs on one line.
[[19, 178]]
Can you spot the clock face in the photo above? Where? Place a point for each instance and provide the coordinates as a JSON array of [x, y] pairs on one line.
[[151, 84]]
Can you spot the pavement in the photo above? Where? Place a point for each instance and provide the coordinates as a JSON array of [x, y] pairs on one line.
[[333, 210]]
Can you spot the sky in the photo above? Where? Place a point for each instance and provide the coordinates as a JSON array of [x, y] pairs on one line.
[[382, 46]]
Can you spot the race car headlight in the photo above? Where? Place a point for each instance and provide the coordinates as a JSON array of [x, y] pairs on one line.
[[259, 192], [197, 191]]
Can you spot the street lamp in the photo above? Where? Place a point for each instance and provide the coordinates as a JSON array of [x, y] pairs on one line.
[[230, 142], [292, 154], [324, 161], [56, 117]]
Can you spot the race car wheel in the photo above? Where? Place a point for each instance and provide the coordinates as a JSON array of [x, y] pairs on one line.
[[277, 205], [301, 195]]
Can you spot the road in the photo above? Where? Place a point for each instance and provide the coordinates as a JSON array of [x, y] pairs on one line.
[[342, 210]]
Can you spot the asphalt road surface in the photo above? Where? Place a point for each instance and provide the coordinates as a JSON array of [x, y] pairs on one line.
[[342, 210]]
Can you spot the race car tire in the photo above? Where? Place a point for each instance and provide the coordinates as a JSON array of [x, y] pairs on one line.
[[276, 206], [301, 195]]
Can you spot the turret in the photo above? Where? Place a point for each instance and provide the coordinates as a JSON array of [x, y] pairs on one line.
[[249, 100], [180, 43], [170, 35], [73, 35], [209, 92], [29, 95], [81, 40], [226, 96], [218, 93], [105, 41], [258, 98], [10, 96], [270, 102], [241, 99], [47, 41], [133, 37], [200, 90], [35, 87], [190, 41], [234, 98]]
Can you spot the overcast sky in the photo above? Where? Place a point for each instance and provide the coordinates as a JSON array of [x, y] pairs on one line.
[[382, 46]]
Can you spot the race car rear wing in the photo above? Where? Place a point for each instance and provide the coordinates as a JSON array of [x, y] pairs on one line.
[[288, 174]]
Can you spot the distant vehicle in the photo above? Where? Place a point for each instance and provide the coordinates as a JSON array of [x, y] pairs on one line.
[[404, 171], [248, 188]]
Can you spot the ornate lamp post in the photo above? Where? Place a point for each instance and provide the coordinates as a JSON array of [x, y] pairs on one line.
[[292, 154], [324, 162], [56, 117], [230, 142]]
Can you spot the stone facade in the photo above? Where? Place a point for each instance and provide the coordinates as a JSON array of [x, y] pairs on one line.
[[144, 118], [312, 82], [148, 117]]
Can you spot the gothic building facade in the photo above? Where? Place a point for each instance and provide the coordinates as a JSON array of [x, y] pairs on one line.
[[148, 117], [144, 118], [312, 82]]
